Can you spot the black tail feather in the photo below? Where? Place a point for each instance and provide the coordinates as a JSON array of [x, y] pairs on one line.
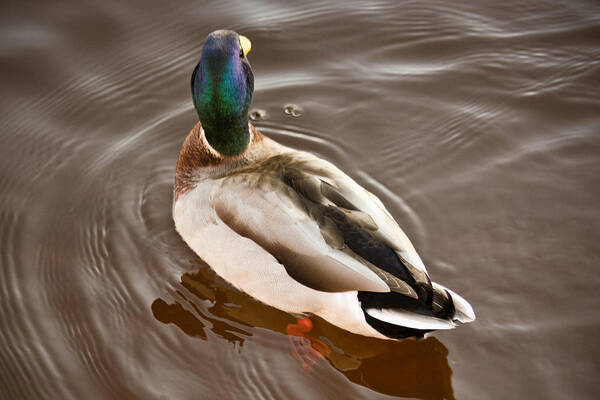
[[439, 305]]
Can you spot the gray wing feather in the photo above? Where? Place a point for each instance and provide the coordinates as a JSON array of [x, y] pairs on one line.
[[270, 213], [292, 205]]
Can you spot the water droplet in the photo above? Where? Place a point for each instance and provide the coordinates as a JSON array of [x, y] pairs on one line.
[[293, 110], [258, 114]]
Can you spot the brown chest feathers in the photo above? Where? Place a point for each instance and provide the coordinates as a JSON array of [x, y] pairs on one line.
[[196, 155]]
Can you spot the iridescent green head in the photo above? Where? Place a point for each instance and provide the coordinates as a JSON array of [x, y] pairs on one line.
[[222, 87]]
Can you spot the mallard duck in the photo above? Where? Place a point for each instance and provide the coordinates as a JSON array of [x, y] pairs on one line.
[[289, 228]]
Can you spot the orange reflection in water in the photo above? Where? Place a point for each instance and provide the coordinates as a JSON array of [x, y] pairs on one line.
[[406, 368]]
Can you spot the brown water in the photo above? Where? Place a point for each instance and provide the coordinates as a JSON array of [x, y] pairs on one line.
[[478, 125]]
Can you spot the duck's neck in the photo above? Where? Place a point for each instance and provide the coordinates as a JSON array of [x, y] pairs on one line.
[[228, 137]]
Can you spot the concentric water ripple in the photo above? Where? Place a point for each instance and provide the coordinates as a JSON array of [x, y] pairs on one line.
[[476, 124]]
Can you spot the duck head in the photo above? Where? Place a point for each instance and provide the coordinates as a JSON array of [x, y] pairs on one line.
[[222, 87]]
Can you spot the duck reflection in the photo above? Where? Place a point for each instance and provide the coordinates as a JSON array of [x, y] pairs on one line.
[[407, 368]]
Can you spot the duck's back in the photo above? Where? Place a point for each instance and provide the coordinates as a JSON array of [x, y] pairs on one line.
[[323, 230]]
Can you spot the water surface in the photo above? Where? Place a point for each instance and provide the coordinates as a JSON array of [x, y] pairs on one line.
[[477, 124]]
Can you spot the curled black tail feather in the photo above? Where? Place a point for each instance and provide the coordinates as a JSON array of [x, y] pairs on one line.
[[440, 306]]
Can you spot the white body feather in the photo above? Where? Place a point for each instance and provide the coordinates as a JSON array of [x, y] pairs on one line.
[[253, 270]]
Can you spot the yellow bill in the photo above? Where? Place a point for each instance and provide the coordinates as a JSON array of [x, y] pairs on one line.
[[246, 45]]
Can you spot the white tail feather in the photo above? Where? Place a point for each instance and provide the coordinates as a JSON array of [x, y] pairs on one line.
[[463, 311], [409, 319]]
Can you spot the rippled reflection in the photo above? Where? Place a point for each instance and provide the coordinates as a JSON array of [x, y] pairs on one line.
[[407, 368]]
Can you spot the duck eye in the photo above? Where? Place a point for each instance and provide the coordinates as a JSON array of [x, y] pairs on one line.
[[241, 53]]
